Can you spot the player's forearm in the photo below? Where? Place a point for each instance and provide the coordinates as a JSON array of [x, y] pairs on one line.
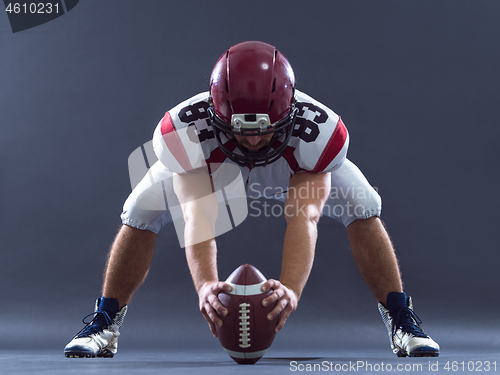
[[199, 208], [306, 197], [199, 235], [202, 262], [298, 253]]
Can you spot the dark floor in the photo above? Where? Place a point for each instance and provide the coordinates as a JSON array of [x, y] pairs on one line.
[[463, 350], [216, 362]]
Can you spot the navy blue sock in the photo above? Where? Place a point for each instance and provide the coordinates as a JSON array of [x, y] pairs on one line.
[[395, 302], [110, 305]]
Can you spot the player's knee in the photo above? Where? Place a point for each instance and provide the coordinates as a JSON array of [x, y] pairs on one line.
[[359, 205], [136, 216], [364, 207]]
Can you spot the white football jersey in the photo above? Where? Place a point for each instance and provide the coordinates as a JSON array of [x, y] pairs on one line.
[[184, 141]]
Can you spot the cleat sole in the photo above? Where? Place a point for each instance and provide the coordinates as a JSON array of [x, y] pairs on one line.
[[76, 354], [425, 354], [425, 351], [401, 353], [105, 353]]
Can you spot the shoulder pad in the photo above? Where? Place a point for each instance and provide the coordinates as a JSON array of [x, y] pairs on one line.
[[176, 139], [319, 140]]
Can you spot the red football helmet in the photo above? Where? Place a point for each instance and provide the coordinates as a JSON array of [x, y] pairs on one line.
[[252, 92]]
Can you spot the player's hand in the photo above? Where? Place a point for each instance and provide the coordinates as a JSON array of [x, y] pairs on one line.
[[210, 306], [287, 301]]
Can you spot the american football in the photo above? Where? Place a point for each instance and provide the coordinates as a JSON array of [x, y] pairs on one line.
[[246, 333]]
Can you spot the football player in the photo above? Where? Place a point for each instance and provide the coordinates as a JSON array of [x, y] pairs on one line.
[[279, 143]]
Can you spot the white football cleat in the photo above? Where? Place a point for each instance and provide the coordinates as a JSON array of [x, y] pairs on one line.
[[99, 337], [403, 325]]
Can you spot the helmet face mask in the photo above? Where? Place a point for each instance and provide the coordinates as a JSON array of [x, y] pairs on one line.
[[281, 133], [252, 93]]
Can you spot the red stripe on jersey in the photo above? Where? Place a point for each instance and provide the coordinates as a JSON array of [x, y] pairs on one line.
[[333, 147], [217, 157], [174, 143], [290, 158]]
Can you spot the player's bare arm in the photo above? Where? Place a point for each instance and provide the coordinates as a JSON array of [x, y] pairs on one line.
[[199, 207], [305, 199]]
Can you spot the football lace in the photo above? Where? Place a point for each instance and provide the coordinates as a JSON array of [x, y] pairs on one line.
[[244, 325]]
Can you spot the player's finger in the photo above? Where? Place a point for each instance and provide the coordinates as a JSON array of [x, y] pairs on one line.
[[283, 317], [275, 296], [210, 323], [278, 309], [221, 287], [285, 313], [212, 315], [270, 284], [217, 305]]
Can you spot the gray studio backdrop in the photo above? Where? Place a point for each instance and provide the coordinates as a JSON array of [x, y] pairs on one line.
[[416, 82]]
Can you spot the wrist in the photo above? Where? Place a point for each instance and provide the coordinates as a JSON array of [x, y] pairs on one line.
[[204, 284], [296, 290]]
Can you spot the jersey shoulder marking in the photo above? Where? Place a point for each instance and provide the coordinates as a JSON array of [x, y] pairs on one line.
[[319, 139], [177, 141]]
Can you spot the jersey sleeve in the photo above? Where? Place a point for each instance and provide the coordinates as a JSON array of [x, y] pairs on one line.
[[320, 139], [176, 143], [335, 151]]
